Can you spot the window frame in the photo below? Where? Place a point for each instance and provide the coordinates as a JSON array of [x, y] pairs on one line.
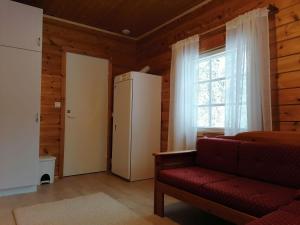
[[201, 57]]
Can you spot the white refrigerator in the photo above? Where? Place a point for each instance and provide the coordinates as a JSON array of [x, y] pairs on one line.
[[136, 125]]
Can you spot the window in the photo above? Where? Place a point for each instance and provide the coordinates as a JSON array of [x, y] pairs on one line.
[[211, 91]]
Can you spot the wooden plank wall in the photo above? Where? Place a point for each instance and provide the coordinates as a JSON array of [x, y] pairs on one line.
[[154, 51], [59, 37]]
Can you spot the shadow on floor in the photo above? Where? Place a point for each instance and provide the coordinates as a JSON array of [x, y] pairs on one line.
[[185, 214]]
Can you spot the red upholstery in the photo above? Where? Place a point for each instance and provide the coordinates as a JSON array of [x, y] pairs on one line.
[[297, 195], [279, 164], [253, 197], [277, 218], [294, 208], [191, 178], [260, 179], [218, 154], [287, 215], [250, 196]]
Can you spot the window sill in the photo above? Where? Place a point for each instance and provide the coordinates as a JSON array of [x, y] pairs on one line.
[[210, 132]]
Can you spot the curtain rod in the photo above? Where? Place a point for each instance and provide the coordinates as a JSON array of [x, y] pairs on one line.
[[272, 11]]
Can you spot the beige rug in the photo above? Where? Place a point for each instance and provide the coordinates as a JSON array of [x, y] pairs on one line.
[[96, 209]]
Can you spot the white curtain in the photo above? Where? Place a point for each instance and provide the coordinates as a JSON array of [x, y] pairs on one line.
[[183, 104], [248, 91]]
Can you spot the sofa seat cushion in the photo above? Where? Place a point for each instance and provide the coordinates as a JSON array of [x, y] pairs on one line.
[[191, 178], [250, 196], [287, 215], [218, 154]]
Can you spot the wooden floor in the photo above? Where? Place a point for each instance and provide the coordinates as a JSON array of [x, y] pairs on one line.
[[138, 196]]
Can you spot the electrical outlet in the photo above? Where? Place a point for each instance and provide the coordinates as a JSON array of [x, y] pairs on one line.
[[57, 105]]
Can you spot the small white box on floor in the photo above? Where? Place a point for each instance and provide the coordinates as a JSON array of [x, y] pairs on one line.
[[47, 166]]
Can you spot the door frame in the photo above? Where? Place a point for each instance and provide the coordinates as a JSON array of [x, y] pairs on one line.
[[63, 107]]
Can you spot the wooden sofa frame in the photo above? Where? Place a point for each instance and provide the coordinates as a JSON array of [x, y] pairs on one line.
[[166, 160]]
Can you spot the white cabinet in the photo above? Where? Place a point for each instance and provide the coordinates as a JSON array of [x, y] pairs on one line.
[[136, 125], [20, 87], [19, 131], [20, 25]]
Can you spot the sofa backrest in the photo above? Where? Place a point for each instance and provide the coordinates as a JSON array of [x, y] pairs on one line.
[[275, 137], [218, 154], [275, 163]]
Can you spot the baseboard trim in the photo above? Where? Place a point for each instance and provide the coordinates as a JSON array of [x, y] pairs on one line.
[[18, 190]]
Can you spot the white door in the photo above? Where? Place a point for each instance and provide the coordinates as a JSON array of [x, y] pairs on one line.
[[19, 116], [86, 115], [122, 129]]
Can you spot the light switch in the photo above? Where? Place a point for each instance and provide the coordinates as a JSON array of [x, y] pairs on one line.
[[57, 105]]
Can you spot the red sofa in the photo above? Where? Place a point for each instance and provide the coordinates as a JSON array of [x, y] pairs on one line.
[[240, 181], [286, 215]]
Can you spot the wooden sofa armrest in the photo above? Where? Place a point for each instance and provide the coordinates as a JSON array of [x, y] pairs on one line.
[[166, 160]]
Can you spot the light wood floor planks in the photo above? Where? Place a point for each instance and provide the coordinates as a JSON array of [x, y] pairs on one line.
[[138, 196]]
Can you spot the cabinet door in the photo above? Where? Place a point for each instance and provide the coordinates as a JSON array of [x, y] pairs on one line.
[[20, 25], [121, 148], [20, 73]]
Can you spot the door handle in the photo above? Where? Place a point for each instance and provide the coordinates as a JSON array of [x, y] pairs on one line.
[[39, 41], [68, 114], [37, 118]]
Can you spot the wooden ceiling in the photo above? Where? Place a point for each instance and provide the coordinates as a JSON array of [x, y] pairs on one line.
[[139, 16]]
